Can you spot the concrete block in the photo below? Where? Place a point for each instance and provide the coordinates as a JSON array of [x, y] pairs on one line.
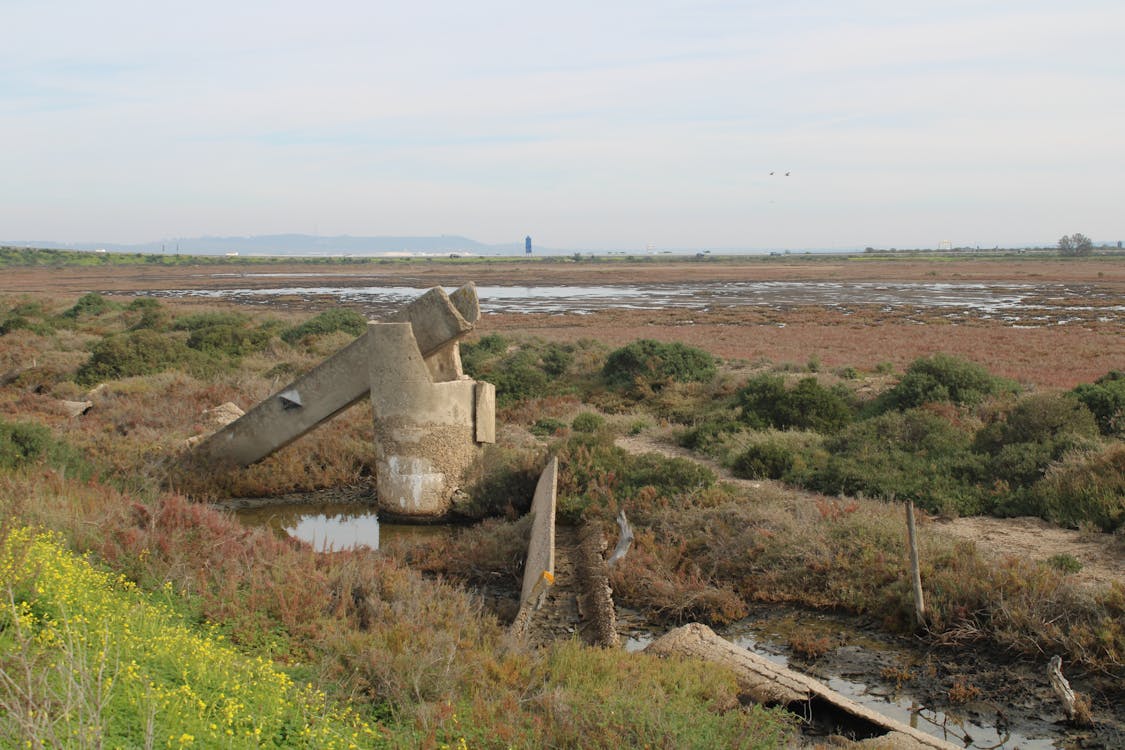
[[485, 412]]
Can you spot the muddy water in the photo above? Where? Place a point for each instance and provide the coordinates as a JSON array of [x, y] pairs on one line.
[[335, 526], [1025, 304], [890, 677]]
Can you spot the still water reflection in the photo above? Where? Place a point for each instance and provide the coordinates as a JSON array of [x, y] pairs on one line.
[[335, 526]]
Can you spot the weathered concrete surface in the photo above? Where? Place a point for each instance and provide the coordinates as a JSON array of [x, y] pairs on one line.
[[539, 570], [437, 322], [485, 412], [541, 547], [766, 682]]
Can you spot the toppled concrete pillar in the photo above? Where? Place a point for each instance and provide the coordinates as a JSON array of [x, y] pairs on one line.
[[437, 321]]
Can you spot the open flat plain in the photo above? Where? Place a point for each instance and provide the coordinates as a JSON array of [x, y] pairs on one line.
[[1072, 330]]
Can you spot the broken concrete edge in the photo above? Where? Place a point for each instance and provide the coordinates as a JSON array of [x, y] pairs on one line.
[[766, 682]]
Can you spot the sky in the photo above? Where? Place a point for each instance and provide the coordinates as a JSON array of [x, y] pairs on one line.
[[595, 125]]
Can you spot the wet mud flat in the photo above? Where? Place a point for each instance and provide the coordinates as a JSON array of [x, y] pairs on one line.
[[970, 697]]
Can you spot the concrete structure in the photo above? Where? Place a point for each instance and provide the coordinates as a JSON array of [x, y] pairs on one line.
[[539, 569], [430, 419]]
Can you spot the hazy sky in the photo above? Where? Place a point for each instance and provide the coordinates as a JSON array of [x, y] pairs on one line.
[[594, 125]]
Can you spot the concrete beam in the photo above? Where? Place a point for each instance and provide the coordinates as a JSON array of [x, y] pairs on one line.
[[437, 321]]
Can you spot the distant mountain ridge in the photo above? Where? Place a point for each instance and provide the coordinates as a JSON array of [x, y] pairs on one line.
[[291, 244]]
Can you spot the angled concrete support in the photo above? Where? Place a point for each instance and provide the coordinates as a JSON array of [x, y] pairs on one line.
[[436, 320]]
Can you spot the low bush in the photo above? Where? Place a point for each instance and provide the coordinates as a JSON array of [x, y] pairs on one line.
[[89, 306], [329, 321], [768, 460], [232, 341], [650, 365], [520, 371], [597, 476], [765, 401], [143, 352], [200, 321], [943, 377], [1105, 398], [547, 427], [587, 421], [915, 455], [1085, 488], [23, 444]]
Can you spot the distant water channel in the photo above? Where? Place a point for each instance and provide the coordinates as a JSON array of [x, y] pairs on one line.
[[1030, 304]]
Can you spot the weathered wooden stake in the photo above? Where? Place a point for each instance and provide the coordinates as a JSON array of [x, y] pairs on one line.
[[915, 570]]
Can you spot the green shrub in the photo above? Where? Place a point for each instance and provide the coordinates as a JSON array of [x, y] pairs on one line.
[[915, 455], [587, 421], [23, 444], [89, 306], [1105, 398], [769, 460], [704, 435], [475, 355], [595, 473], [227, 340], [652, 364], [143, 352], [1034, 432], [547, 427], [199, 321], [1064, 563], [1086, 487], [766, 402], [152, 313], [329, 321], [531, 369], [1040, 418], [943, 377]]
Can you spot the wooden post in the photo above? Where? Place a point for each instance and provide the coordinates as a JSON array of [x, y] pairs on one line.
[[915, 571]]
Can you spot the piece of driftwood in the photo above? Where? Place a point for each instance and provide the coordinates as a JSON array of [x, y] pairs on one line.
[[766, 682], [1077, 708], [624, 541]]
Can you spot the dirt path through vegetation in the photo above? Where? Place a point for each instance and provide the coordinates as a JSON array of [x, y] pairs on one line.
[[1101, 555]]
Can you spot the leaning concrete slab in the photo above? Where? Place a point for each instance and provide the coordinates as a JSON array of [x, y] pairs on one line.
[[539, 570], [437, 321]]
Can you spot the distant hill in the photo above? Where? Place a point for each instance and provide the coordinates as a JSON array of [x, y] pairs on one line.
[[290, 244]]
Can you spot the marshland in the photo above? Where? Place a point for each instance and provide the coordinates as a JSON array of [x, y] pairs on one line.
[[761, 420]]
